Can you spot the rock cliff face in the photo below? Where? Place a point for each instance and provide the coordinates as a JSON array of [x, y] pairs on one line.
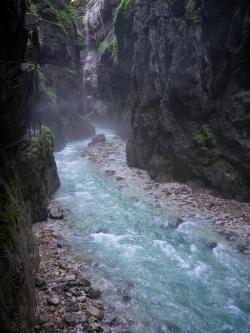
[[16, 79], [190, 93], [180, 71], [28, 175], [104, 79], [61, 105]]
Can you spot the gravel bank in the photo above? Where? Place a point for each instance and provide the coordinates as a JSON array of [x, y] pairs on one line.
[[229, 217]]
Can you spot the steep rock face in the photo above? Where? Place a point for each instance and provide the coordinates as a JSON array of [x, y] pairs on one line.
[[39, 165], [60, 106], [105, 80], [91, 23], [115, 65], [28, 173], [180, 72], [28, 177], [190, 94], [16, 79]]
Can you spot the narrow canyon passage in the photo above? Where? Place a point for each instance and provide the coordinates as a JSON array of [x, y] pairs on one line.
[[153, 275], [145, 227]]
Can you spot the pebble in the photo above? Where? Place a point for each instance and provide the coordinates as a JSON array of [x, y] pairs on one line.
[[95, 312], [70, 318], [69, 278], [54, 300], [66, 302]]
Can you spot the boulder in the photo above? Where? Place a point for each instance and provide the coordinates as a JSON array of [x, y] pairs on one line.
[[100, 138]]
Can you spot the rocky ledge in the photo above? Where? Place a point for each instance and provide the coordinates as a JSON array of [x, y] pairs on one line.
[[229, 217]]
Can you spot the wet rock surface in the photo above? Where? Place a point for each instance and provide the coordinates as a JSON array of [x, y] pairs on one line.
[[66, 301], [178, 74], [229, 217], [55, 212], [189, 112], [97, 139], [64, 295], [28, 179], [59, 73]]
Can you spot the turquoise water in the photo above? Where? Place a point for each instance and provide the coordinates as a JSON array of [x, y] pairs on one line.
[[174, 280]]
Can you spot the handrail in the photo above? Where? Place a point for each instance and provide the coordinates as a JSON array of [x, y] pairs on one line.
[[34, 130]]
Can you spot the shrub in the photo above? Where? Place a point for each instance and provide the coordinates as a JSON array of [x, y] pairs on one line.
[[109, 44], [65, 17], [123, 8], [32, 7], [193, 10]]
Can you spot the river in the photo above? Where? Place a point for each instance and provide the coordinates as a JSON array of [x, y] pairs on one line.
[[154, 275]]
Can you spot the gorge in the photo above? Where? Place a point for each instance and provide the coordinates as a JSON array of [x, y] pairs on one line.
[[124, 170]]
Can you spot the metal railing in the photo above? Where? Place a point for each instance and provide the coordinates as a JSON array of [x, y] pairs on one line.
[[34, 130]]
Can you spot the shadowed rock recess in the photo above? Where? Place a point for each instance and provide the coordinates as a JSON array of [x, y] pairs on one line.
[[179, 72]]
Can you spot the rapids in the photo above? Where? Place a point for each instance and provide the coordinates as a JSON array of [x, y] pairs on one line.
[[152, 274]]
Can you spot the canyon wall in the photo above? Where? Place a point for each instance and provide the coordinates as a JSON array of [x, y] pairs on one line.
[[16, 79], [177, 72], [28, 175], [190, 93], [104, 78], [59, 72]]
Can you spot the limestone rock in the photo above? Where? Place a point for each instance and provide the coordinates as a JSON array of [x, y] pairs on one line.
[[97, 139], [95, 312], [53, 300], [55, 212]]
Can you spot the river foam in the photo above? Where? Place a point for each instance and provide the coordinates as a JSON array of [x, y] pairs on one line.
[[182, 279]]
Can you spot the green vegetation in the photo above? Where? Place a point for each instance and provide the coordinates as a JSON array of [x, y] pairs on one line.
[[46, 131], [32, 7], [36, 148], [65, 17], [8, 216], [123, 8], [193, 10], [72, 72], [205, 136], [52, 96], [206, 142], [49, 92], [79, 34], [83, 119], [39, 143], [41, 78], [114, 47], [9, 199], [109, 45], [104, 46]]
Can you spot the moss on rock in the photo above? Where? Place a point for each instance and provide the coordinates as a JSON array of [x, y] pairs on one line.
[[206, 143], [109, 45], [122, 9], [193, 10]]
